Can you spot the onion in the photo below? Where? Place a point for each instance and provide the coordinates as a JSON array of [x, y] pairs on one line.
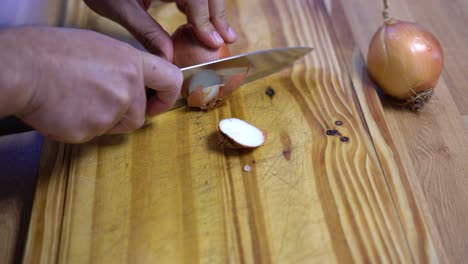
[[202, 91], [189, 51], [237, 133], [206, 89], [406, 61]]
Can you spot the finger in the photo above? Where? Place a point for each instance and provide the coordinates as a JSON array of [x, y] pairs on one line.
[[125, 125], [148, 32], [181, 5], [198, 14], [121, 127], [165, 79], [134, 118], [218, 19], [146, 4]]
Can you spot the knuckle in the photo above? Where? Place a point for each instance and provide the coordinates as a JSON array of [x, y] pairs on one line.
[[219, 24], [122, 98], [95, 127], [79, 136], [203, 22], [193, 3], [130, 123], [220, 16], [150, 38], [131, 73], [157, 42], [102, 121]]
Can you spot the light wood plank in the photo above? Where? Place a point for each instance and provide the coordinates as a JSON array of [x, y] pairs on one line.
[[45, 226], [169, 193], [18, 168], [433, 144], [20, 154]]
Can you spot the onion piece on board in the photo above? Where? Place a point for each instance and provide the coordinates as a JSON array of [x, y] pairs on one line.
[[240, 134]]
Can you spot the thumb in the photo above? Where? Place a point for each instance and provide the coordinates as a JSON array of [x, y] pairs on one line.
[[148, 32], [164, 78]]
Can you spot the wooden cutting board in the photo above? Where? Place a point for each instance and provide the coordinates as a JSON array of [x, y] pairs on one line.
[[169, 193]]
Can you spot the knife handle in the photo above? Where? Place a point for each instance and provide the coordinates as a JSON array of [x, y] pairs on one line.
[[13, 125]]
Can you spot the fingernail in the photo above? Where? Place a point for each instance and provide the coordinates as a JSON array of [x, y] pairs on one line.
[[232, 34], [219, 40]]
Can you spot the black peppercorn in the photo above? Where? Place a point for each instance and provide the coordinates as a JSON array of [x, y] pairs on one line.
[[344, 139], [270, 92]]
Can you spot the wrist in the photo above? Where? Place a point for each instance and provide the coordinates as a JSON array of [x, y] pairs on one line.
[[15, 95]]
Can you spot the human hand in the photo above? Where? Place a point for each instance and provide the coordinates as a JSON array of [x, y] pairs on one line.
[[79, 84], [207, 16], [132, 15]]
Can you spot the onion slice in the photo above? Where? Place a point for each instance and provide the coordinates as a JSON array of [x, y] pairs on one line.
[[241, 134]]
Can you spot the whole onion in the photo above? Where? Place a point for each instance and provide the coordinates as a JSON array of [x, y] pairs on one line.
[[205, 90], [406, 61]]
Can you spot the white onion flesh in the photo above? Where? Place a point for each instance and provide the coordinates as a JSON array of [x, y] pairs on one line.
[[241, 132]]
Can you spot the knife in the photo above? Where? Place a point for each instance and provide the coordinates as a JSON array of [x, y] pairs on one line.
[[254, 65]]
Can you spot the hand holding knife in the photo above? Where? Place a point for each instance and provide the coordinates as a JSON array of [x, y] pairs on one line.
[[252, 66]]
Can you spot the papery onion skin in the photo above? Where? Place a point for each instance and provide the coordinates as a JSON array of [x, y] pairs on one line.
[[189, 51], [404, 59], [228, 142]]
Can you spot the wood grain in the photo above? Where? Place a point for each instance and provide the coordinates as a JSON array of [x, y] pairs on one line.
[[390, 160], [46, 220], [20, 154], [433, 145], [169, 193]]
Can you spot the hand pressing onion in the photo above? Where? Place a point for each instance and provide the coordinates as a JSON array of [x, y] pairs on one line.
[[206, 90], [237, 133], [405, 60], [189, 51]]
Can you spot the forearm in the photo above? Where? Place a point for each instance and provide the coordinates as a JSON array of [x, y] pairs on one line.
[[13, 72]]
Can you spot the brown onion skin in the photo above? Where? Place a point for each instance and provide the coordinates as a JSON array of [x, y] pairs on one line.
[[189, 51], [232, 144], [404, 59]]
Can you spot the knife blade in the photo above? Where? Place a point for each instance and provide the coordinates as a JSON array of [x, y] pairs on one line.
[[255, 65]]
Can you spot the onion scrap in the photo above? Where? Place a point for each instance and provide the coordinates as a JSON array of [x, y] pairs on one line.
[[237, 133]]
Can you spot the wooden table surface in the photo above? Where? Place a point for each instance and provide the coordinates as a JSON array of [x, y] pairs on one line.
[[396, 192]]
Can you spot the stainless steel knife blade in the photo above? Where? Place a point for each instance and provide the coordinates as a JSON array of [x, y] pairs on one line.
[[256, 64]]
